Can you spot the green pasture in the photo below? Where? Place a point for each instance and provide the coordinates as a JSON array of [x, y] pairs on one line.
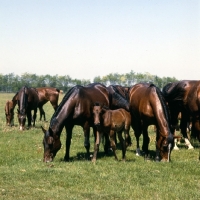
[[23, 175]]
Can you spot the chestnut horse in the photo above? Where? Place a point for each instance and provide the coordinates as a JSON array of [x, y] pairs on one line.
[[184, 96], [110, 121], [27, 101], [45, 94], [76, 109], [148, 107]]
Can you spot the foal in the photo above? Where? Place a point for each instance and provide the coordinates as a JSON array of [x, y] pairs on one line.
[[111, 121]]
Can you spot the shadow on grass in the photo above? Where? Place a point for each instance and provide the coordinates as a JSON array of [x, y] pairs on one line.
[[82, 156]]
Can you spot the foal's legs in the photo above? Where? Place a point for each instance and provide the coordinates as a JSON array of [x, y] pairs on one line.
[[97, 135], [123, 144], [112, 142]]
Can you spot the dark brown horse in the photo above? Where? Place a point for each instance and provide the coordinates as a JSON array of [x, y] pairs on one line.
[[110, 121], [9, 112], [27, 101], [45, 94], [76, 109], [184, 96], [148, 107]]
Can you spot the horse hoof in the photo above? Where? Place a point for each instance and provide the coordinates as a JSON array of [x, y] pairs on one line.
[[190, 147], [157, 159], [176, 148]]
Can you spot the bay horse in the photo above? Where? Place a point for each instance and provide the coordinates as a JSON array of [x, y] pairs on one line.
[[76, 109], [148, 107], [45, 94], [27, 101], [9, 112], [184, 97], [110, 121]]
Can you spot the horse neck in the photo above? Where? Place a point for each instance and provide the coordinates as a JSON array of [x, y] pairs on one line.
[[23, 99], [161, 116], [56, 126]]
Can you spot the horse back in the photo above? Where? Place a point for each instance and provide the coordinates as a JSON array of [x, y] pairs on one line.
[[117, 119], [9, 107]]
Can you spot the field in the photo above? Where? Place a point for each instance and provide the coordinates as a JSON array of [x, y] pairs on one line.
[[23, 175]]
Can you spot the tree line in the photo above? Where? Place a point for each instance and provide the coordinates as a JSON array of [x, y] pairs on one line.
[[12, 83]]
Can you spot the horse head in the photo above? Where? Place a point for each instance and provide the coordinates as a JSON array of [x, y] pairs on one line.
[[22, 103], [165, 146], [21, 118], [97, 111], [52, 145]]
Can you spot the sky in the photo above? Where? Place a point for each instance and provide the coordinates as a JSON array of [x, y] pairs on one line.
[[88, 38]]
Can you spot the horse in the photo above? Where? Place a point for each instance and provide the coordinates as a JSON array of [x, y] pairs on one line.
[[110, 121], [27, 101], [184, 97], [9, 113], [45, 94], [148, 107], [76, 109]]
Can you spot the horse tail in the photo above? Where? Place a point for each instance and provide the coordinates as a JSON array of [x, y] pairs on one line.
[[58, 90], [174, 91]]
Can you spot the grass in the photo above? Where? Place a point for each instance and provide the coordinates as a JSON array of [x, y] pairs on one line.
[[23, 175]]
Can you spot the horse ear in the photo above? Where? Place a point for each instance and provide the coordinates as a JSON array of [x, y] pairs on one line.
[[44, 131]]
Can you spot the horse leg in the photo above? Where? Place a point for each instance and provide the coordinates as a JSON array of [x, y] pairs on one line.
[[40, 109], [183, 126], [123, 143], [86, 130], [137, 132], [42, 113], [137, 136], [112, 142], [107, 144], [34, 116], [68, 142], [195, 133], [145, 146], [29, 117], [96, 145]]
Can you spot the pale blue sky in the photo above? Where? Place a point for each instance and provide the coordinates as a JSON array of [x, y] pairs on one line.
[[88, 38]]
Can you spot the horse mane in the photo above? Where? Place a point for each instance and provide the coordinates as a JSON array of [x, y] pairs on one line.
[[65, 98], [163, 103]]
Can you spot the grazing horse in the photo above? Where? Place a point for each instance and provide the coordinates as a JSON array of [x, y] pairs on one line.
[[76, 109], [184, 96], [45, 94], [148, 107], [27, 101], [9, 112], [110, 121]]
